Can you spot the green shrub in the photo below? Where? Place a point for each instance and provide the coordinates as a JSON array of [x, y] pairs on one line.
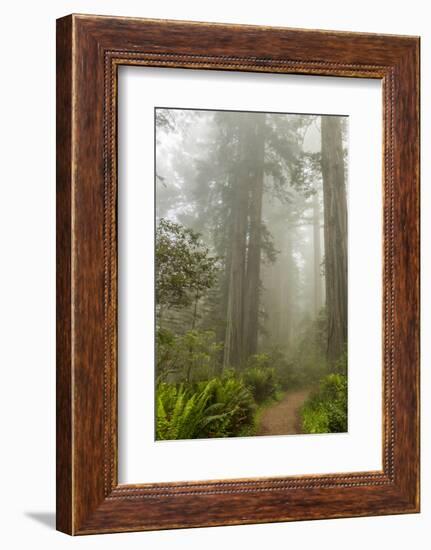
[[308, 359], [187, 357], [290, 375], [340, 366], [260, 379], [220, 407], [326, 410], [284, 371], [315, 420]]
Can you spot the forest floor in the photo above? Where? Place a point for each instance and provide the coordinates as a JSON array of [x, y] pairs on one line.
[[283, 418]]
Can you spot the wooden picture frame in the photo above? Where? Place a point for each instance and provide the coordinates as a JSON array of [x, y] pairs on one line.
[[89, 52]]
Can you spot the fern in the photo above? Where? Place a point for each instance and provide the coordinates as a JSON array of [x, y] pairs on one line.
[[220, 407]]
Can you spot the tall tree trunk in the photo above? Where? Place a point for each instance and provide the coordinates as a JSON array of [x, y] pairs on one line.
[[195, 311], [233, 344], [252, 289], [286, 299], [335, 235], [226, 275], [317, 280]]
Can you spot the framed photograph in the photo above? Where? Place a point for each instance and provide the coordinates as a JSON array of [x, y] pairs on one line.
[[237, 274]]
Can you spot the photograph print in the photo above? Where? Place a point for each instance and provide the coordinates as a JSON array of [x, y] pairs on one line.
[[250, 274]]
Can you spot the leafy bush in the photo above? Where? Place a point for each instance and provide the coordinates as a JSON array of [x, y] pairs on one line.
[[260, 378], [187, 357], [185, 270], [340, 366], [308, 360], [220, 407], [287, 372], [326, 410], [259, 361]]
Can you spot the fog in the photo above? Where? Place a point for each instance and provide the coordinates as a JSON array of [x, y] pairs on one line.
[[251, 273]]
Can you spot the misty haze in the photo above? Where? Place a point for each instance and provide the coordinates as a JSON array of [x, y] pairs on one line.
[[251, 273]]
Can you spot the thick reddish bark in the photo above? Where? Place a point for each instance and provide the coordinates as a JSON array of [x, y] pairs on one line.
[[335, 235]]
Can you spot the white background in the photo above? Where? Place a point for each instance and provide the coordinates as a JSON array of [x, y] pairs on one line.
[[27, 241], [141, 458]]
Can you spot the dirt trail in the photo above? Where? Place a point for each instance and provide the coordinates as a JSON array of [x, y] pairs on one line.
[[282, 418]]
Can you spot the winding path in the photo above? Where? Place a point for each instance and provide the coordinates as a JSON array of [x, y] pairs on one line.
[[282, 418]]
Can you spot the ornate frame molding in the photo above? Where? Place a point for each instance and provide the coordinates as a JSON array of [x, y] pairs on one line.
[[90, 49]]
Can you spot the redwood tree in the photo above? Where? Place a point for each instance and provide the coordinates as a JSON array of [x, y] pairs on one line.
[[335, 234]]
